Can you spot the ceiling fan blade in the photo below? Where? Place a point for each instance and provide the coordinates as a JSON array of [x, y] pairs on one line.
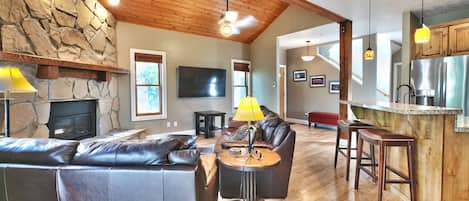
[[236, 30], [247, 21]]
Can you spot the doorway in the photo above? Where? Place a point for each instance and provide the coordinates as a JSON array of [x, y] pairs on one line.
[[281, 88]]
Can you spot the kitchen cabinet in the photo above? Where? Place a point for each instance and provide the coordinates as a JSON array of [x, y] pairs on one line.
[[459, 39], [446, 39], [436, 47]]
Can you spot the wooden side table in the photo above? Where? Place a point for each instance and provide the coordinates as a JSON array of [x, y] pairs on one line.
[[208, 117], [249, 166]]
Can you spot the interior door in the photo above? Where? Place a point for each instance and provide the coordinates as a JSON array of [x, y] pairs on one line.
[[282, 91]]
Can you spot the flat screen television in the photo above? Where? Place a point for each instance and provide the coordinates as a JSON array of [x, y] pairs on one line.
[[201, 82]]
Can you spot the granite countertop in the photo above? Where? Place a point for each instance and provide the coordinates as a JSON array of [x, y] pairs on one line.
[[408, 109], [462, 122]]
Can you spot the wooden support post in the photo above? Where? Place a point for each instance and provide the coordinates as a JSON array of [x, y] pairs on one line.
[[48, 72], [345, 66]]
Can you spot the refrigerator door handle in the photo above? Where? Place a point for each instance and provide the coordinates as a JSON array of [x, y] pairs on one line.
[[443, 84]]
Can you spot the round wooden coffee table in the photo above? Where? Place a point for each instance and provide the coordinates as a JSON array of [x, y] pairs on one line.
[[248, 165]]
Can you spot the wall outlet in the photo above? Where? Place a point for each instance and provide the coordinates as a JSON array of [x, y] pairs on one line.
[[175, 123], [168, 124]]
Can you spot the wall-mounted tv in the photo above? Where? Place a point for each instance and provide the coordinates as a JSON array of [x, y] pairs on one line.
[[201, 82]]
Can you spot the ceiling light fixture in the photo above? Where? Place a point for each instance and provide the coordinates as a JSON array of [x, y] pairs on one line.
[[308, 56], [369, 53], [228, 20], [422, 34], [113, 2]]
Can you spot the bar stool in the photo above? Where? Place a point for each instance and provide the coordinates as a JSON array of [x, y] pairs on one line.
[[351, 126], [385, 139]]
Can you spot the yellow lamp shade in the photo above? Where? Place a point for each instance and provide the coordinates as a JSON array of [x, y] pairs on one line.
[[422, 35], [369, 54], [12, 81], [248, 110]]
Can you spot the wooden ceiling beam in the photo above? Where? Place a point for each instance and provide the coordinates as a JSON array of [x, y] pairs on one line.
[[317, 9]]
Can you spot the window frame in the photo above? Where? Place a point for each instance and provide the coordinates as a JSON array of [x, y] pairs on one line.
[[247, 80], [162, 85]]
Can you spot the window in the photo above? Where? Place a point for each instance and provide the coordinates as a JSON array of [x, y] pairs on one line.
[[148, 84], [240, 80]]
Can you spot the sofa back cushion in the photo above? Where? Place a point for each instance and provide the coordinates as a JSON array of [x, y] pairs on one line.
[[37, 151], [281, 131], [126, 153], [184, 157]]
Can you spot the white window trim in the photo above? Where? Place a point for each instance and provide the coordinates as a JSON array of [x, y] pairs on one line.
[[164, 113], [232, 78]]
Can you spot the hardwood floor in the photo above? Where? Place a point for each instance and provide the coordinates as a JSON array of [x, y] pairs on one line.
[[313, 176]]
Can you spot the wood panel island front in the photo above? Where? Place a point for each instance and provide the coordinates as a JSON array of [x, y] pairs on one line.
[[442, 164]]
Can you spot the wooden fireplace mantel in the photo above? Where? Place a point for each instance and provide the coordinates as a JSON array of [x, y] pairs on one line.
[[51, 68]]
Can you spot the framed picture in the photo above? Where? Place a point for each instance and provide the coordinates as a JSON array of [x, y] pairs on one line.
[[317, 81], [334, 87], [299, 75]]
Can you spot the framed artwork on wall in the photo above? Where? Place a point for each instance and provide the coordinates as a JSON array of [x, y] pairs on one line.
[[299, 75], [317, 81], [334, 87]]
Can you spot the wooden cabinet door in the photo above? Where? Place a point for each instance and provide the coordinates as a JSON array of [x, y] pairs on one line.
[[436, 47], [459, 39]]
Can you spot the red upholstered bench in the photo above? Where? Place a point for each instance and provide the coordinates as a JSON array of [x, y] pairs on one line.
[[323, 118]]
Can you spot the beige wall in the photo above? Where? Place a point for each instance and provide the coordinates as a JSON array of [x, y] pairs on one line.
[[264, 51], [181, 49], [300, 97]]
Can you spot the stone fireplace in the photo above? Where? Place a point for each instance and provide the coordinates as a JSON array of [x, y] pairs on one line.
[[73, 30]]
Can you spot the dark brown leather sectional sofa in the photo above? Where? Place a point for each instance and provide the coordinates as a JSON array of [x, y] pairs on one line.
[[271, 183], [167, 169]]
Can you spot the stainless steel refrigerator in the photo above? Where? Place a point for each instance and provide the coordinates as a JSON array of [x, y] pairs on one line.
[[441, 82]]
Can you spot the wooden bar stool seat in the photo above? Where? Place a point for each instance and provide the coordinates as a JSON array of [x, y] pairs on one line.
[[351, 126], [385, 139]]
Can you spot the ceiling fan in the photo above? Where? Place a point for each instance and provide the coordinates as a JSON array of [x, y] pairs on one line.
[[229, 23]]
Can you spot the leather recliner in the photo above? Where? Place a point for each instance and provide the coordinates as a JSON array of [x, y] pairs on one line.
[[144, 170], [272, 182]]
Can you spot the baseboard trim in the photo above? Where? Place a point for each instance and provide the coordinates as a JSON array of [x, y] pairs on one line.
[[297, 121]]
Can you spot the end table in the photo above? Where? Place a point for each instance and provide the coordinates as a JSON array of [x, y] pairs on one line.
[[249, 166]]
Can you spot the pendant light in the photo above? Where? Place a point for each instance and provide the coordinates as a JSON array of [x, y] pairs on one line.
[[422, 34], [369, 53], [307, 56]]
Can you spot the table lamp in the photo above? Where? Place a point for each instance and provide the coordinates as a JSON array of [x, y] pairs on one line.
[[249, 110], [12, 81]]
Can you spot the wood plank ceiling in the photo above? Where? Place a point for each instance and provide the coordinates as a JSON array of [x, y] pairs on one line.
[[197, 16]]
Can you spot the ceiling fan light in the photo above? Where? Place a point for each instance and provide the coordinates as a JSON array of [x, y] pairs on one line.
[[307, 58], [422, 35], [369, 54], [113, 2], [226, 29], [231, 16]]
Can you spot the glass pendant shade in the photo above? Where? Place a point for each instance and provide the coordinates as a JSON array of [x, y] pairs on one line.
[[369, 54], [422, 35], [307, 58]]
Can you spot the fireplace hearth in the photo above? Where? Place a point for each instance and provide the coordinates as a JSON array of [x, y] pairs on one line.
[[72, 120]]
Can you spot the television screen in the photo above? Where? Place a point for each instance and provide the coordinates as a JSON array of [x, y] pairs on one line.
[[201, 82]]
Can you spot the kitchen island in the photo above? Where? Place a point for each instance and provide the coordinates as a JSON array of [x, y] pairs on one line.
[[442, 164]]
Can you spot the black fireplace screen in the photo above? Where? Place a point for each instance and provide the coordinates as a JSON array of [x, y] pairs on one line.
[[72, 120]]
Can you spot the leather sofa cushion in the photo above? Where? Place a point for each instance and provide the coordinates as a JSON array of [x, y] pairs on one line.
[[185, 141], [36, 151], [126, 153], [280, 133], [184, 157]]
